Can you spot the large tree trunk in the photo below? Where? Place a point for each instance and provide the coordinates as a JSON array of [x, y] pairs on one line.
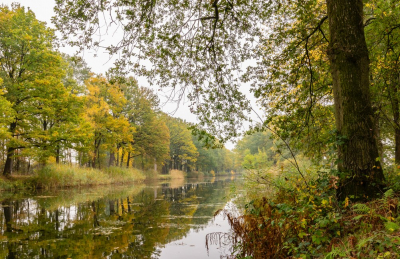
[[362, 175], [10, 152], [9, 162]]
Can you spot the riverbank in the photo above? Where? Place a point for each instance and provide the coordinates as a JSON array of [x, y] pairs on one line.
[[288, 215], [64, 176]]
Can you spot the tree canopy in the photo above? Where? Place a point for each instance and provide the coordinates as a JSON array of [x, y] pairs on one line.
[[32, 73], [53, 108], [307, 71]]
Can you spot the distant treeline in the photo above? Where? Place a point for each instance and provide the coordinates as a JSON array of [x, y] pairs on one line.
[[54, 109]]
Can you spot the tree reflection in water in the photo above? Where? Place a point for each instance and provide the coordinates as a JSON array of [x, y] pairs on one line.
[[124, 222]]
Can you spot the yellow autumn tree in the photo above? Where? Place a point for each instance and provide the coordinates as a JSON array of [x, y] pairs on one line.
[[104, 104]]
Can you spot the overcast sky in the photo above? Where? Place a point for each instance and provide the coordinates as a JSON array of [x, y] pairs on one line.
[[100, 62]]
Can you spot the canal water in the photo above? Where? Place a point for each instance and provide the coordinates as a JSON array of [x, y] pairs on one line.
[[167, 220]]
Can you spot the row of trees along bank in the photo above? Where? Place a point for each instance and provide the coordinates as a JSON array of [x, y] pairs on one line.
[[52, 108]]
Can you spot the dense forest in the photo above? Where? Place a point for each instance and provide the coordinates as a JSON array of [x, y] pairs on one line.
[[55, 110]]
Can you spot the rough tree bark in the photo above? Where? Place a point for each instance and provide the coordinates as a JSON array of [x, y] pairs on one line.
[[9, 162], [10, 152], [362, 175]]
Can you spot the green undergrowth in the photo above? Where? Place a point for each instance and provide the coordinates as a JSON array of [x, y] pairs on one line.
[[15, 183], [6, 184], [290, 216], [163, 177]]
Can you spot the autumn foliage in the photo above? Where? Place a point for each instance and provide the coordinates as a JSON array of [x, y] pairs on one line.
[[54, 110]]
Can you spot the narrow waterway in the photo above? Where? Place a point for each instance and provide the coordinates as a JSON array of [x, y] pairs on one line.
[[156, 220]]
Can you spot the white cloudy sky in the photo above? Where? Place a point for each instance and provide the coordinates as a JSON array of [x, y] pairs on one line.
[[100, 62]]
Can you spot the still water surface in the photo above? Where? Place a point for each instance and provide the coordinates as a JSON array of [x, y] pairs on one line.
[[158, 220]]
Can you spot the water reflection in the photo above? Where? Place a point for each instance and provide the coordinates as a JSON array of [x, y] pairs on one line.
[[123, 222]]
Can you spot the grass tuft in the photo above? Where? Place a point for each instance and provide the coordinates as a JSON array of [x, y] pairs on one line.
[[177, 174], [54, 176]]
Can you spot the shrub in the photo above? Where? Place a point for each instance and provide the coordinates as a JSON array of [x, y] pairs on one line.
[[212, 173], [5, 185], [304, 220], [151, 174], [124, 175]]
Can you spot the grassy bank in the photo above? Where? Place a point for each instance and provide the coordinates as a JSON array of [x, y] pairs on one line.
[[197, 174], [173, 174], [58, 176], [290, 216], [61, 176]]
